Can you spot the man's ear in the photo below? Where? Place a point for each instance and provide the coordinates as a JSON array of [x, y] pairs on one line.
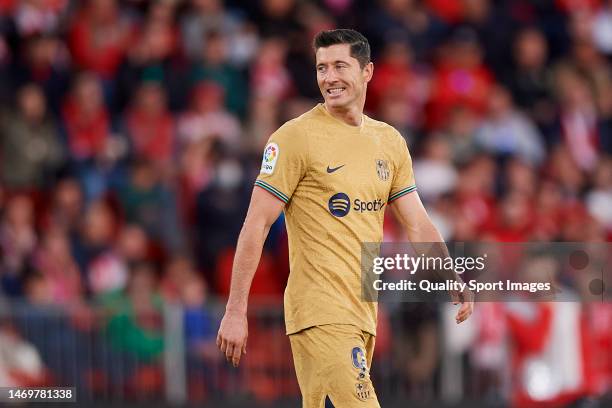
[[368, 71]]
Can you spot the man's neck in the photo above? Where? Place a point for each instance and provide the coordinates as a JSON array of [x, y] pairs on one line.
[[351, 116]]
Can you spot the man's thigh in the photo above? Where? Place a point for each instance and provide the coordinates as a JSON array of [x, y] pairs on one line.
[[334, 360]]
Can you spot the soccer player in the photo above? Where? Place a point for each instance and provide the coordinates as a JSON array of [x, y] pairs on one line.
[[333, 171]]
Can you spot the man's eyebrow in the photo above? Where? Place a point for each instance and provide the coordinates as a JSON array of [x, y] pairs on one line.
[[333, 62]]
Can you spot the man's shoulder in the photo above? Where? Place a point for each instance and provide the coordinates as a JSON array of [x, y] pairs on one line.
[[383, 128], [301, 124]]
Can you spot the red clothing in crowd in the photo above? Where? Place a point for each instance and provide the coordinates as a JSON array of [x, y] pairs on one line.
[[151, 136], [449, 11], [552, 354], [6, 7], [98, 46], [399, 81], [458, 87], [598, 317], [87, 133], [574, 6], [266, 283]]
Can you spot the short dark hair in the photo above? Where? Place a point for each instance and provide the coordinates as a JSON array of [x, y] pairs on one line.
[[360, 47]]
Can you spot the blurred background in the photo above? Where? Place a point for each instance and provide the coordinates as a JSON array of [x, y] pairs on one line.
[[130, 136]]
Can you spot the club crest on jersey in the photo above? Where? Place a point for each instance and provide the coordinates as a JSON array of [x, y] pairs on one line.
[[382, 169], [270, 156], [362, 389]]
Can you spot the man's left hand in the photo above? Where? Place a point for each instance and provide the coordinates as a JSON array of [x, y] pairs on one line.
[[466, 298]]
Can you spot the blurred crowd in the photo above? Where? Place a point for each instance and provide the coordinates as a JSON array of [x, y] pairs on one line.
[[131, 132]]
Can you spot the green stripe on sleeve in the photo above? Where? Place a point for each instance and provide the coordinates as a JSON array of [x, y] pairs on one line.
[[401, 193], [272, 190], [284, 196]]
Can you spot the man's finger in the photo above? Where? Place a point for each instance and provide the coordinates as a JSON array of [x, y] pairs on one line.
[[464, 312], [244, 346], [460, 318], [236, 355], [223, 345], [229, 352], [218, 340]]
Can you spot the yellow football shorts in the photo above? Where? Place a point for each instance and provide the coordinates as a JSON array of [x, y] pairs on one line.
[[333, 360]]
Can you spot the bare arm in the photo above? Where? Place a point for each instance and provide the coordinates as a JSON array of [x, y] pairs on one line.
[[411, 213], [264, 209]]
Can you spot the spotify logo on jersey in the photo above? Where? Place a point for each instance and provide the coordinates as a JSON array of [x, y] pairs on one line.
[[339, 204]]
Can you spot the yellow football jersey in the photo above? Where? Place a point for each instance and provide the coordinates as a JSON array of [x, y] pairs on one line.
[[336, 181]]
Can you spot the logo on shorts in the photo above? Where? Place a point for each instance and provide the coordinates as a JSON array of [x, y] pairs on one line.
[[339, 204], [359, 361], [382, 169], [270, 156], [359, 358], [362, 390]]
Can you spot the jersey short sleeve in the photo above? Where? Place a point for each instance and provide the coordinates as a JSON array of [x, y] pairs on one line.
[[403, 176], [284, 162]]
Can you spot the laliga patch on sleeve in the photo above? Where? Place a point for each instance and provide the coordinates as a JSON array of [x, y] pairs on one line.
[[270, 156]]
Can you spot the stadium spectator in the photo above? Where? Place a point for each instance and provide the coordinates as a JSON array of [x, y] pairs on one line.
[[507, 132], [154, 57], [475, 197], [435, 170], [399, 90], [540, 332], [213, 65], [95, 235], [200, 337], [271, 84], [208, 16], [147, 202], [18, 240], [530, 79], [460, 133], [405, 20], [270, 78], [31, 149], [150, 126], [45, 61], [66, 207], [99, 37], [179, 271], [5, 68], [54, 261], [277, 18], [39, 16], [92, 148], [20, 362], [134, 331], [217, 215], [135, 324], [599, 199], [109, 272], [461, 78], [602, 28], [207, 118]]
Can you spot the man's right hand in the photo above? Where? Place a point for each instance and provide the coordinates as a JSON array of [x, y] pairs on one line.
[[232, 336]]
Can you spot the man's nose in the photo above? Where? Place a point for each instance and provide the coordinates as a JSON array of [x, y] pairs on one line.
[[330, 76]]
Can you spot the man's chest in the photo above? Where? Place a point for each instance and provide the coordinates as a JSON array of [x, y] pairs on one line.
[[359, 166]]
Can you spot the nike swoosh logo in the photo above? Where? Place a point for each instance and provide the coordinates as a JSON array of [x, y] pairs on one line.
[[331, 170]]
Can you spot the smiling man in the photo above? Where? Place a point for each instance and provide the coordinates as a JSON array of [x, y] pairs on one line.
[[333, 171]]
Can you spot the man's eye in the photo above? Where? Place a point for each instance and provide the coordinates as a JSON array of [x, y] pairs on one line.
[[321, 69]]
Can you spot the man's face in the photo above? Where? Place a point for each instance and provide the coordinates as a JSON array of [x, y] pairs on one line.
[[341, 79]]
